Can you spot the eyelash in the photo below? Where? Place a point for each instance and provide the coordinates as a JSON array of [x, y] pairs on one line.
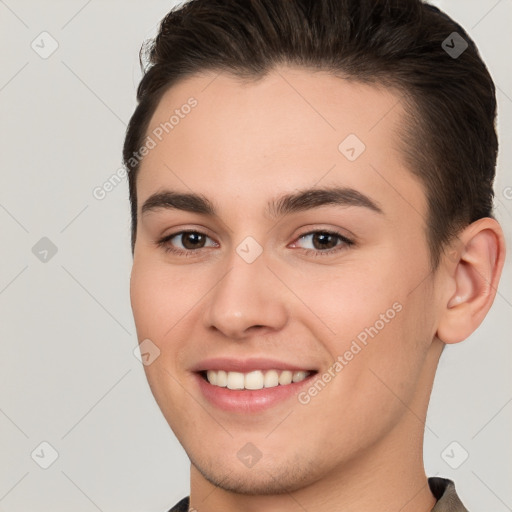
[[164, 243]]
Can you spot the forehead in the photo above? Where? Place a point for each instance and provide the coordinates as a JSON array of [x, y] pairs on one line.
[[291, 129]]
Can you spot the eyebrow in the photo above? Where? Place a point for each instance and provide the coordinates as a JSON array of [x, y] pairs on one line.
[[284, 205]]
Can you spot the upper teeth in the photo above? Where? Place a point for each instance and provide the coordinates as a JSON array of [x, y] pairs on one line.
[[255, 379]]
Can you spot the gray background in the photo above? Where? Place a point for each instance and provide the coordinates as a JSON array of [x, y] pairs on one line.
[[68, 374]]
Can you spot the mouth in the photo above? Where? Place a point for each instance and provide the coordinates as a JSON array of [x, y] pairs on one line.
[[254, 390], [254, 380]]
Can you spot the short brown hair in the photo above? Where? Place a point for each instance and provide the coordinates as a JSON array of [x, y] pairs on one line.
[[448, 138]]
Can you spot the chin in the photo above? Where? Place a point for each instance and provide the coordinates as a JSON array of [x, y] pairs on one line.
[[277, 477]]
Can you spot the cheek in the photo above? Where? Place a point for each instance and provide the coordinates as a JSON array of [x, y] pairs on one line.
[[158, 299], [146, 297], [351, 299], [165, 304], [375, 323]]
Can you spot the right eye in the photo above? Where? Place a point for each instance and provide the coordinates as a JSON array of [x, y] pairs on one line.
[[191, 241]]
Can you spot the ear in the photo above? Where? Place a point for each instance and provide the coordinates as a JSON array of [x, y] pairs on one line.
[[473, 269]]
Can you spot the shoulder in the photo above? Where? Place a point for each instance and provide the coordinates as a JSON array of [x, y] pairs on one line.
[[444, 491], [181, 506]]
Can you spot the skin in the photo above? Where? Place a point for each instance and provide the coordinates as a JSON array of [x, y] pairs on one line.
[[360, 440]]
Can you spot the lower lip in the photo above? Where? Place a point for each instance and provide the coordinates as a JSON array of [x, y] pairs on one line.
[[249, 400]]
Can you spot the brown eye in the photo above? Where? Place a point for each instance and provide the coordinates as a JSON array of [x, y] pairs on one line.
[[325, 242], [192, 240], [184, 242]]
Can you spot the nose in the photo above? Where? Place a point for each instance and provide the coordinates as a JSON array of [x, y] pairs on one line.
[[247, 298]]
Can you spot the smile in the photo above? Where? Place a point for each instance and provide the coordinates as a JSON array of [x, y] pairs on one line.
[[257, 379]]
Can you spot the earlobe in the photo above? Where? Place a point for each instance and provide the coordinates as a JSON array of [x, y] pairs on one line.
[[475, 274]]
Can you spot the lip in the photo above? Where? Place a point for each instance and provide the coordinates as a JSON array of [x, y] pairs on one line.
[[247, 401], [246, 365]]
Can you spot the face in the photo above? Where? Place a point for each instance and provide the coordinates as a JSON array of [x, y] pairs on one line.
[[331, 291]]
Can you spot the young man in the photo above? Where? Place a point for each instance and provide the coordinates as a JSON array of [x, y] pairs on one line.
[[311, 190]]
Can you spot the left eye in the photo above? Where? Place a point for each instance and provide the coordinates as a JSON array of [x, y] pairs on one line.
[[325, 241]]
